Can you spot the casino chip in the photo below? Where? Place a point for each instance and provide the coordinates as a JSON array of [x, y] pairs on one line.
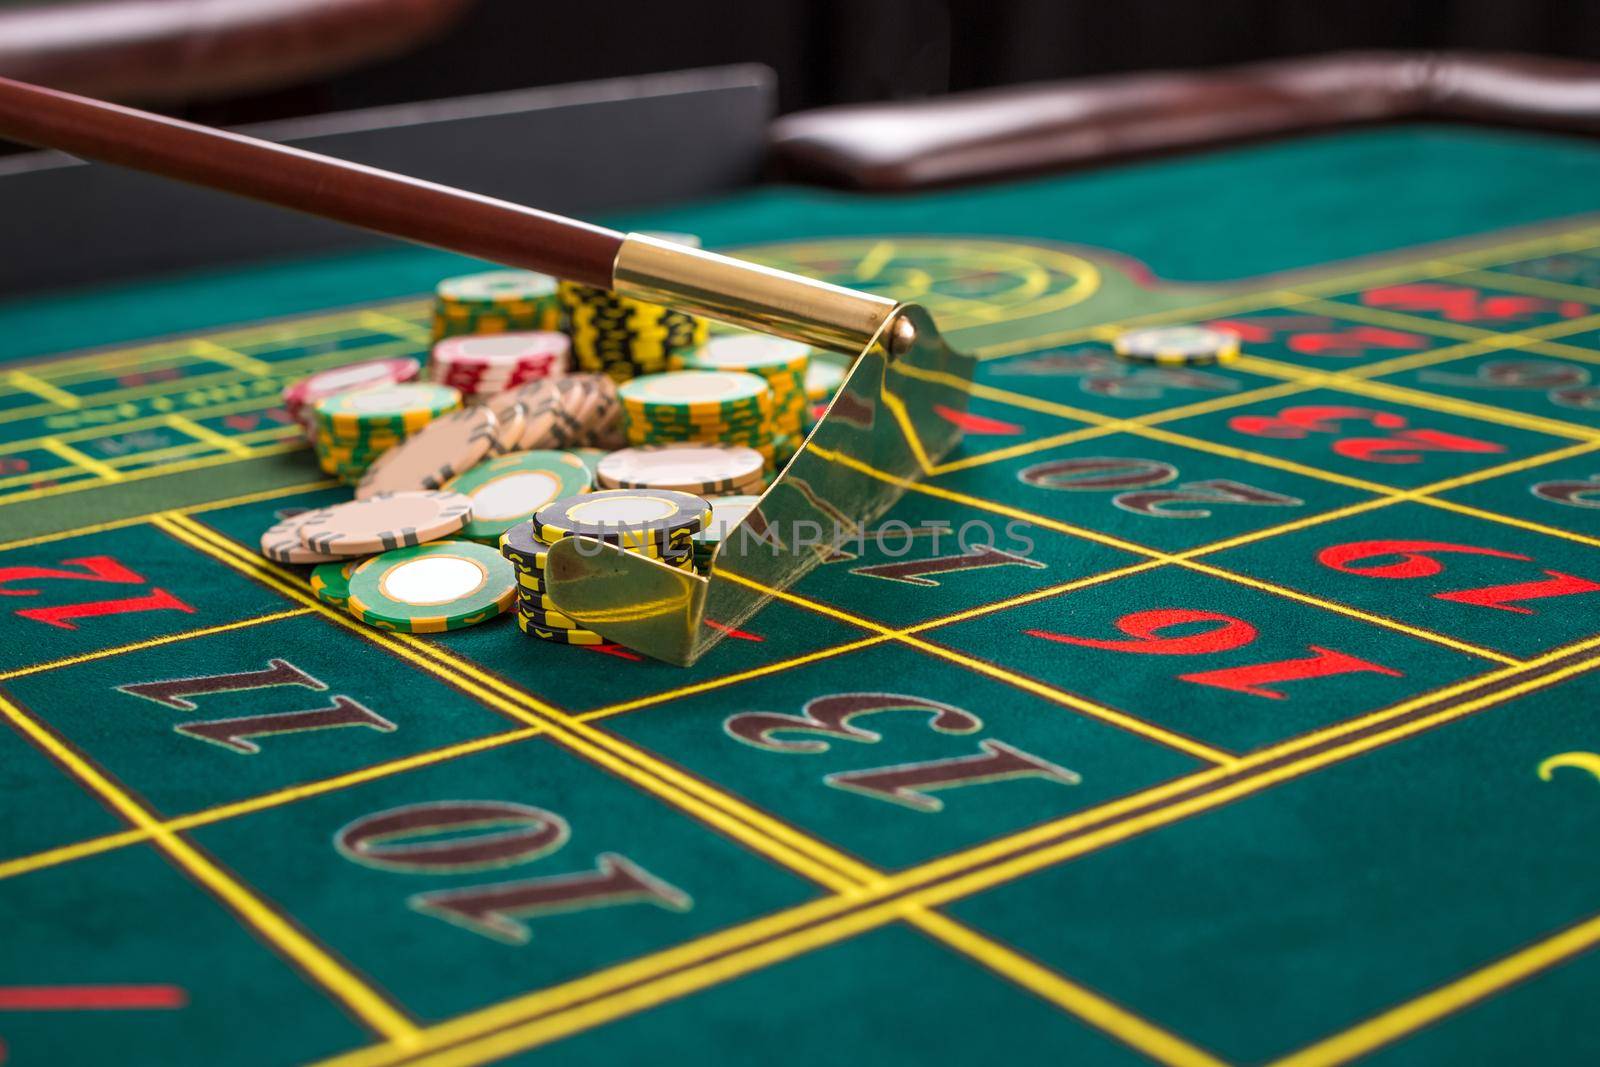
[[782, 363], [401, 408], [622, 337], [697, 397], [823, 379], [331, 581], [487, 364], [530, 626], [299, 396], [591, 457], [352, 429], [1177, 345], [444, 448], [727, 512], [657, 523], [630, 518], [379, 523], [495, 301], [282, 544], [560, 413], [702, 469], [511, 419], [508, 489], [424, 589]]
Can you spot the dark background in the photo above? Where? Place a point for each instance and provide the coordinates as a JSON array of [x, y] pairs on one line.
[[839, 51]]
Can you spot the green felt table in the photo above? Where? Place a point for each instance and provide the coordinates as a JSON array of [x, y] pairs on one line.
[[1265, 731]]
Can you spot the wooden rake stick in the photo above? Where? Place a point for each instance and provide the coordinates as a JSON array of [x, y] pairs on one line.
[[427, 213]]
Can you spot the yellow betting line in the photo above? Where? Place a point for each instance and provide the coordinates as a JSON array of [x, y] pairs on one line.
[[1451, 997], [138, 520], [666, 782], [365, 1002], [261, 802], [153, 642], [210, 437], [52, 396], [74, 458], [211, 350], [1121, 720], [1180, 560], [291, 330], [558, 1011], [198, 463], [207, 816], [766, 834]]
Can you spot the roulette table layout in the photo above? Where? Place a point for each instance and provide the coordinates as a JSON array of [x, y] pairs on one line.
[[1235, 713]]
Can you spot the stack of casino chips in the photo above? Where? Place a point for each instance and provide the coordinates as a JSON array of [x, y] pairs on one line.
[[658, 523], [731, 407], [727, 512], [353, 429], [300, 396], [623, 337], [781, 363], [496, 301], [824, 376], [481, 366]]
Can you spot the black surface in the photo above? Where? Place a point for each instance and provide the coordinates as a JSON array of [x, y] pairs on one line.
[[842, 51], [578, 150]]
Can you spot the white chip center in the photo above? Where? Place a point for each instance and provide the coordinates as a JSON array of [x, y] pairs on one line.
[[622, 511], [380, 399], [337, 381], [495, 347], [434, 580], [515, 494], [709, 386], [740, 349]]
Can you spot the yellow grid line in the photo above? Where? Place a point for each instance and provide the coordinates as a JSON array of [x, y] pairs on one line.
[[410, 331], [85, 433], [664, 783], [1496, 674], [285, 370], [1122, 720], [210, 437], [152, 472], [1413, 1015], [832, 869], [52, 396], [153, 642], [180, 451], [138, 520], [300, 328], [62, 450], [206, 816], [671, 973], [784, 843], [365, 1002], [262, 802], [211, 350], [1522, 283], [1164, 557]]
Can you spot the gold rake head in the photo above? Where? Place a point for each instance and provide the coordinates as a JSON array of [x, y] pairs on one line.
[[880, 433]]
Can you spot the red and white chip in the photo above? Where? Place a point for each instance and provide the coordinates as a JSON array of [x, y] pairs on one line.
[[298, 397], [503, 352]]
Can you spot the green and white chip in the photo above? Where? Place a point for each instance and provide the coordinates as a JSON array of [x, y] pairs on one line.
[[442, 585]]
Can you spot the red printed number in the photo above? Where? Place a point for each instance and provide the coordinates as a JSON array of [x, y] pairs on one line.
[[94, 569], [1222, 633], [1402, 446], [1414, 559]]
